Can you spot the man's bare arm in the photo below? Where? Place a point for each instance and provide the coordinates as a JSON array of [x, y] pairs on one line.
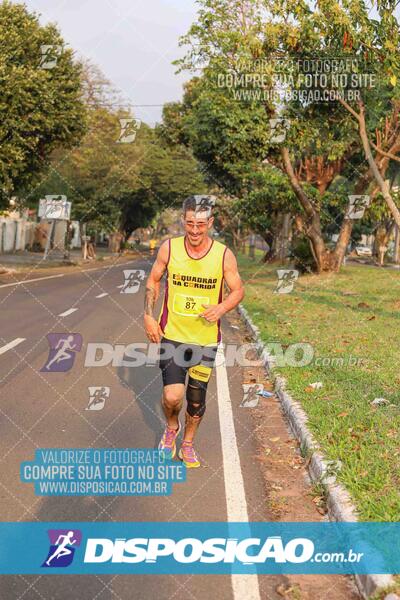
[[236, 290], [153, 330], [150, 300], [233, 281], [153, 281]]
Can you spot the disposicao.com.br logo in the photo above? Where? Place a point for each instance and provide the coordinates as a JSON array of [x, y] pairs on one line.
[[190, 550]]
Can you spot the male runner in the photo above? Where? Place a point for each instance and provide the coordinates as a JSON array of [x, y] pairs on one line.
[[189, 323]]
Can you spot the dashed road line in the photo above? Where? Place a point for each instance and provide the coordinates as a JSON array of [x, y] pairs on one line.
[[102, 295], [11, 345], [68, 312]]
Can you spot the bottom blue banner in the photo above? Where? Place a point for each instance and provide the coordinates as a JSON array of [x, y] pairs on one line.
[[199, 548]]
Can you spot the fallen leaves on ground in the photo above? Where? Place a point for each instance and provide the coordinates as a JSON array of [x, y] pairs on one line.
[[363, 305], [283, 590]]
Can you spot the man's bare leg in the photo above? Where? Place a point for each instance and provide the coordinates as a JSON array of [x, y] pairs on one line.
[[172, 401], [196, 405], [191, 427], [192, 421]]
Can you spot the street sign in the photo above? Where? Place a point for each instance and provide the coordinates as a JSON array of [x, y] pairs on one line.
[[55, 207]]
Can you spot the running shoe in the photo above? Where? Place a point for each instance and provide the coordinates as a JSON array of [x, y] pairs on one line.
[[168, 441], [188, 454]]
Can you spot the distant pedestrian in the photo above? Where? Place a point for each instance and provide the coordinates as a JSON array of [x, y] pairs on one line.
[[91, 254], [152, 246]]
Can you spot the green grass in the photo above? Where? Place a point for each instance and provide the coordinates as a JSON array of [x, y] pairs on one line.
[[351, 314]]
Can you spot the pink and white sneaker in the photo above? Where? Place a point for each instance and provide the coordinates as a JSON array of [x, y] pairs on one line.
[[188, 455], [168, 441]]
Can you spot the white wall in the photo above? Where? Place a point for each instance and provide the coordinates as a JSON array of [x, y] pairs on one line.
[[15, 233]]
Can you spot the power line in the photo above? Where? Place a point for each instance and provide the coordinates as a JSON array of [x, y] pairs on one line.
[[123, 105]]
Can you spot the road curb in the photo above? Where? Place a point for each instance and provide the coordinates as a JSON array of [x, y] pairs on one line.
[[339, 504]]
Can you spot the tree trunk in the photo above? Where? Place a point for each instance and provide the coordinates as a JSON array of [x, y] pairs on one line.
[[343, 241], [328, 261], [268, 237], [383, 185], [252, 246], [283, 237], [239, 241], [310, 223], [236, 241], [382, 236], [310, 226], [379, 245], [396, 257], [67, 242]]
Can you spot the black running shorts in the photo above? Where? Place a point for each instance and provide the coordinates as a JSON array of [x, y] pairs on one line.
[[177, 358]]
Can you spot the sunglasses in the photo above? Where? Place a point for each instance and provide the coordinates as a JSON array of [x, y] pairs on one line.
[[192, 225]]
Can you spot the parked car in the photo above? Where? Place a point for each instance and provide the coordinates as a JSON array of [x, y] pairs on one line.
[[363, 251]]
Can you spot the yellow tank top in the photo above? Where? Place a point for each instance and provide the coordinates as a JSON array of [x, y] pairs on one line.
[[192, 282]]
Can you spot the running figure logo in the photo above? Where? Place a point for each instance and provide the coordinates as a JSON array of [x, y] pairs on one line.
[[279, 128], [62, 352], [97, 397], [251, 394], [63, 543], [133, 278], [357, 206], [286, 280], [49, 56], [129, 129]]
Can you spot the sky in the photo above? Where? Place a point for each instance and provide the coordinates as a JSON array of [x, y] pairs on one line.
[[132, 41]]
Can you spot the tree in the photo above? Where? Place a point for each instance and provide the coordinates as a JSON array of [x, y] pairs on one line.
[[266, 210], [117, 183], [168, 173], [97, 173], [41, 107], [100, 170], [373, 43], [230, 129]]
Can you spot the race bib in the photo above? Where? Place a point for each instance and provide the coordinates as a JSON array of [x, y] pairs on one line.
[[188, 305]]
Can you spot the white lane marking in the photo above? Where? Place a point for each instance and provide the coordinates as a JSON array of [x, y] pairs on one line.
[[102, 295], [244, 586], [112, 266], [68, 312], [31, 280], [11, 345], [4, 285], [120, 286]]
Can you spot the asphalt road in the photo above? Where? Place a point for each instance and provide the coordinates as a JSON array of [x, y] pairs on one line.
[[39, 410]]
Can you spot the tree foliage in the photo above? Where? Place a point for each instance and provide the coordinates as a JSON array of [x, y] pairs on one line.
[[114, 185], [41, 108], [226, 115]]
